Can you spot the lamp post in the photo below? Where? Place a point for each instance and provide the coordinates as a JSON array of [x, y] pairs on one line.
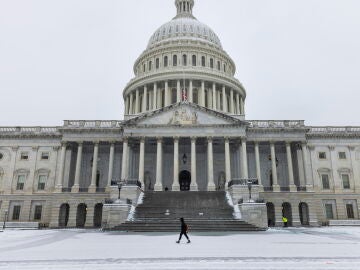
[[120, 185], [5, 218]]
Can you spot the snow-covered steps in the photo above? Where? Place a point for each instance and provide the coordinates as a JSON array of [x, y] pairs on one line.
[[203, 211]]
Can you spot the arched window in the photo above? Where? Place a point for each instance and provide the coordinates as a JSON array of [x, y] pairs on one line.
[[157, 63], [144, 67], [203, 61], [175, 60], [194, 60], [184, 59], [211, 63], [166, 61], [150, 65], [224, 68], [218, 65]]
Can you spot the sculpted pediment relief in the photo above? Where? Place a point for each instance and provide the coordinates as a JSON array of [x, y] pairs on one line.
[[184, 114]]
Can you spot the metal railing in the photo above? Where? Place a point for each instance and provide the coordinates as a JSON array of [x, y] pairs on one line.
[[243, 182]]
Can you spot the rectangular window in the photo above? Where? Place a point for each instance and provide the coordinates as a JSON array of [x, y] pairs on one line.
[[350, 210], [329, 211], [20, 182], [45, 156], [37, 213], [346, 181], [16, 212], [322, 155], [24, 156], [342, 155], [325, 181], [42, 182]]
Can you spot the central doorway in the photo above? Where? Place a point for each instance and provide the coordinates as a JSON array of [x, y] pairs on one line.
[[185, 180]]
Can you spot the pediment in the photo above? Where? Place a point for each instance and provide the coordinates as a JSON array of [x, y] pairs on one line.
[[184, 114]]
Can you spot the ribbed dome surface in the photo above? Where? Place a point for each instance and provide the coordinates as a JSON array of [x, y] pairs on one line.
[[184, 28]]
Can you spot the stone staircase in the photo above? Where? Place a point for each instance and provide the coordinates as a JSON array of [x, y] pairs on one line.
[[203, 212]]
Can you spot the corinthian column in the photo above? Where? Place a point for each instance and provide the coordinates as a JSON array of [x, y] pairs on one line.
[[178, 91], [59, 182], [144, 105], [276, 186], [137, 100], [190, 98], [238, 104], [258, 166], [142, 162], [92, 187], [155, 97], [232, 101], [290, 167], [124, 161], [244, 159], [76, 185], [214, 101], [224, 99], [158, 184], [167, 98], [202, 96], [194, 186], [211, 184], [111, 164], [131, 104], [227, 162], [176, 186]]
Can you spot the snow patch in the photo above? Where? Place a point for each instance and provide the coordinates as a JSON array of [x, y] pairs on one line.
[[141, 198], [236, 213], [131, 215]]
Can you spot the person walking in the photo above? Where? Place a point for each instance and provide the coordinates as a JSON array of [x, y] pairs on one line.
[[184, 231]]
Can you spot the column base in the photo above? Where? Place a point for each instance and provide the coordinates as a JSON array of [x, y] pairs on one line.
[[309, 188], [194, 188], [75, 189], [276, 188], [108, 189], [158, 188], [58, 189], [261, 188], [211, 188], [293, 188], [92, 189], [175, 188]]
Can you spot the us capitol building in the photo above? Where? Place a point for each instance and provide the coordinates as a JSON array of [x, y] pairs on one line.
[[184, 131]]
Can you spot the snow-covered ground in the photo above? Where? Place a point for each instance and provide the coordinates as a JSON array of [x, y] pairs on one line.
[[293, 248]]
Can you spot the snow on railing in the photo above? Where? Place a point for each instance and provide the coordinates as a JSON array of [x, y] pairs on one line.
[[277, 123], [92, 124], [332, 130], [28, 130]]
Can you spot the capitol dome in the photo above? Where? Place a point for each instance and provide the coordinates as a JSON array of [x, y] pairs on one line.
[[184, 28], [184, 61]]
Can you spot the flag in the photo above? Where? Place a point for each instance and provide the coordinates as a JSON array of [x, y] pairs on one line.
[[184, 96]]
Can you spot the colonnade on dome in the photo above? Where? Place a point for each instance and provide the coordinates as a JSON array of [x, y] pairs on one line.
[[212, 95]]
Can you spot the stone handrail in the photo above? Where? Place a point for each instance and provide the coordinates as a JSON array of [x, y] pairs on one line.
[[92, 124], [277, 123], [332, 130]]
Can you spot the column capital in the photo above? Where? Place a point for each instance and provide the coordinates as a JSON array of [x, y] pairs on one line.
[[112, 142], [226, 139], [159, 139], [96, 143], [142, 139], [351, 147], [193, 139], [64, 143], [126, 139], [35, 148], [55, 148], [176, 139], [80, 143], [256, 143], [210, 139], [288, 143], [331, 147], [272, 142]]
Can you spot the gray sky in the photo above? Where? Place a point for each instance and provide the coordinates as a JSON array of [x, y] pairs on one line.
[[70, 59]]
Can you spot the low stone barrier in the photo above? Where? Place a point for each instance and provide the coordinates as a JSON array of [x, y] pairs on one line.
[[347, 222], [21, 225]]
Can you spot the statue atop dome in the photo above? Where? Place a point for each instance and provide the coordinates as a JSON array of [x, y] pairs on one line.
[[184, 8]]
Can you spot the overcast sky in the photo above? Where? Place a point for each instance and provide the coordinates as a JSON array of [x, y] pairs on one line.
[[70, 59]]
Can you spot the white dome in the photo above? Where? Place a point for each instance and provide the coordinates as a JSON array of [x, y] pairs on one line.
[[184, 28]]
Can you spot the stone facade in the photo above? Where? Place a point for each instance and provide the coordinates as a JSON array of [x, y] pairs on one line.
[[184, 128]]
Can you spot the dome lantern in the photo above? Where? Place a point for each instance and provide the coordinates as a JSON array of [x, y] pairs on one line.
[[184, 8]]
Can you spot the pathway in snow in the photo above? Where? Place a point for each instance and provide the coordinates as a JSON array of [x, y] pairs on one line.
[[314, 248]]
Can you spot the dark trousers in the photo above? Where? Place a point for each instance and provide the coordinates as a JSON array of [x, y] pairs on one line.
[[183, 233]]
